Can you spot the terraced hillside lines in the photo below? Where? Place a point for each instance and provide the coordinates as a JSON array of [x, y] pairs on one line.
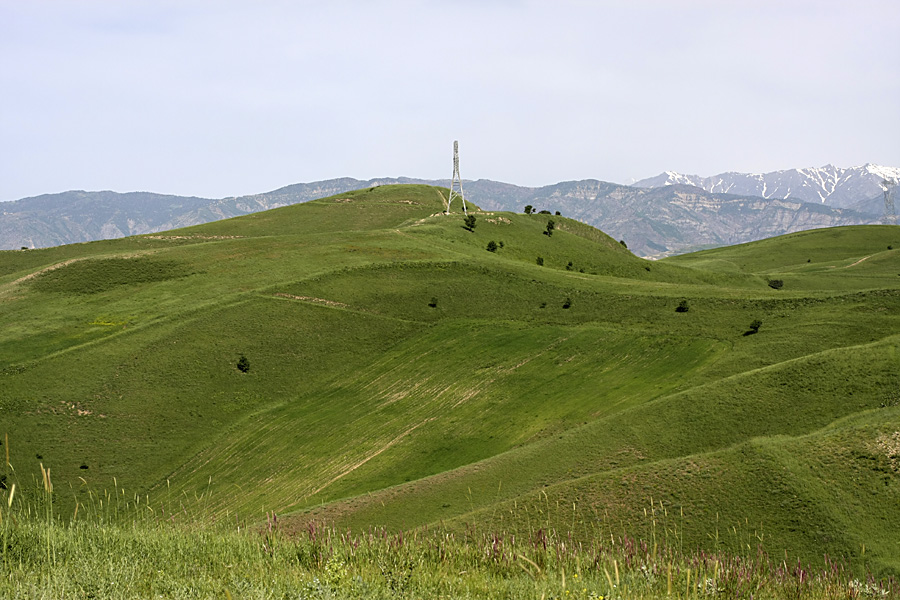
[[628, 457], [468, 390]]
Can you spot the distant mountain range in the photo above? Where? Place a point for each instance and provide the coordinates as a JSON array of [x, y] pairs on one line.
[[667, 214], [858, 188]]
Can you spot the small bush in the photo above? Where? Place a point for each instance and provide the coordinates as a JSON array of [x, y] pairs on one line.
[[433, 303], [776, 284], [540, 261], [545, 212], [557, 214], [682, 307], [469, 222], [754, 327], [528, 209], [501, 243], [492, 246], [624, 245], [569, 266], [243, 364], [567, 303]]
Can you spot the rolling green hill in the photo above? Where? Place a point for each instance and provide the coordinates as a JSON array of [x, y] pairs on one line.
[[401, 374]]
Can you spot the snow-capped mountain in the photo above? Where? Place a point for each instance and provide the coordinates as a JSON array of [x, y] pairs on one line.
[[856, 187]]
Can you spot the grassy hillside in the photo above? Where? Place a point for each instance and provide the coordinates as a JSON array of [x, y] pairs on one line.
[[402, 375]]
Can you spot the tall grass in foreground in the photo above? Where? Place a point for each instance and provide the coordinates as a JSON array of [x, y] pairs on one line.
[[111, 548]]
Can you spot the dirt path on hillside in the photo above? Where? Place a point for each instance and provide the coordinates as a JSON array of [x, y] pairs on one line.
[[9, 287], [859, 261], [314, 300], [387, 446]]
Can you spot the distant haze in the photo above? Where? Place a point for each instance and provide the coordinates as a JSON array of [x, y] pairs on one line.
[[227, 98]]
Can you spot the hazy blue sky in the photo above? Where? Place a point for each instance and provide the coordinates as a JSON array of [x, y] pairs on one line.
[[233, 97]]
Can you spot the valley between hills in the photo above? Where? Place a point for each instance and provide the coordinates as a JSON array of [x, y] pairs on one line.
[[364, 361]]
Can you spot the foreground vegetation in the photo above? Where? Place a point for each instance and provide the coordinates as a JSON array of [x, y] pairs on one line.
[[123, 549]]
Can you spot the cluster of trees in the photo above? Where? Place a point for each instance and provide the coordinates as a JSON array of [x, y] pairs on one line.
[[529, 210]]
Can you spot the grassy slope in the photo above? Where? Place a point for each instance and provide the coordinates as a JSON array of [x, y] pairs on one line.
[[359, 390]]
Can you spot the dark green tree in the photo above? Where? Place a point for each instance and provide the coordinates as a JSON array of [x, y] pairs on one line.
[[243, 364], [624, 245], [469, 222], [540, 261], [492, 246], [754, 327], [682, 306], [551, 225], [528, 209]]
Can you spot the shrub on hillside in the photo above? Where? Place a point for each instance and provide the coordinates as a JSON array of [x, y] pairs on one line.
[[776, 284], [243, 364], [754, 327], [492, 246], [540, 261], [682, 307]]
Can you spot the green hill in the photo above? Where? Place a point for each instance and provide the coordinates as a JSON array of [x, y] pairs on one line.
[[401, 374]]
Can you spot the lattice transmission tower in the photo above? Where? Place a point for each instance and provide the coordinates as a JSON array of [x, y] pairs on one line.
[[456, 181], [890, 212]]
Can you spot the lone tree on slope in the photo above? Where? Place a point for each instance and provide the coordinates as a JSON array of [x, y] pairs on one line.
[[551, 225]]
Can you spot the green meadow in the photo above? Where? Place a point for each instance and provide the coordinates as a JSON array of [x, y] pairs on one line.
[[736, 408]]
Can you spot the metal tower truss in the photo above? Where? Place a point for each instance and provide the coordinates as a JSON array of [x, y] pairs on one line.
[[456, 181]]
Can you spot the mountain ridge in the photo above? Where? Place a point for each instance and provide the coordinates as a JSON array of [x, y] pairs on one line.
[[656, 217]]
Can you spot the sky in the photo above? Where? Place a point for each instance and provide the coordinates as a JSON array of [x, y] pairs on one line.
[[232, 97]]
